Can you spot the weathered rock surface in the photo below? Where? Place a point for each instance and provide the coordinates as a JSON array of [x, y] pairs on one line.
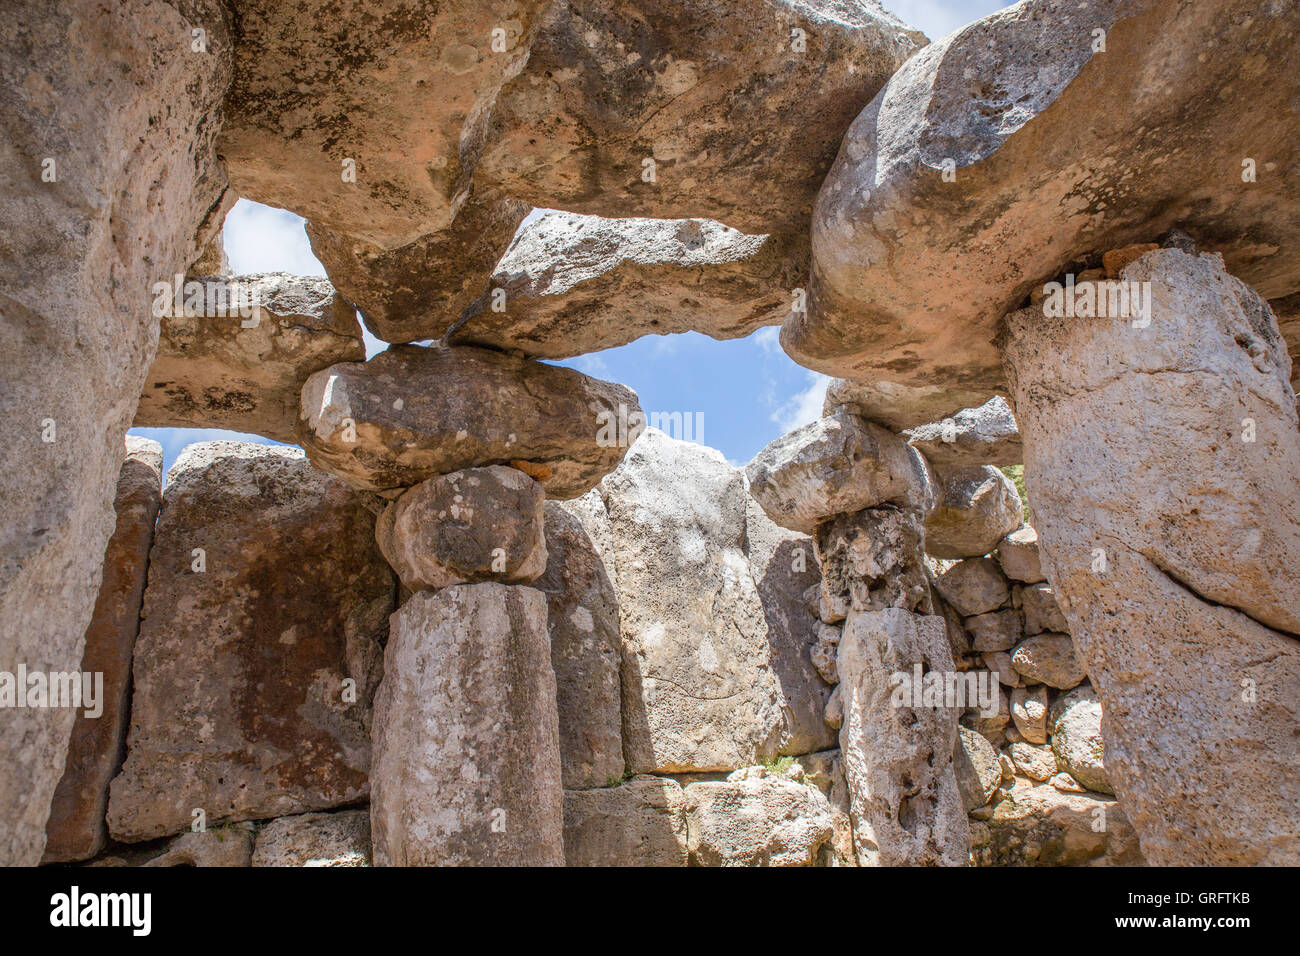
[[973, 436], [479, 524], [466, 737], [315, 839], [1040, 826], [756, 820], [994, 631], [1018, 555], [1041, 611], [111, 184], [244, 371], [1049, 659], [1287, 310], [825, 771], [1075, 725], [1189, 633], [639, 823], [76, 828], [836, 465], [703, 676], [978, 506], [259, 648], [973, 586], [411, 413], [871, 560], [1035, 762], [987, 190], [393, 93], [1029, 712], [907, 806], [225, 846], [573, 284], [418, 290], [582, 615], [977, 768], [899, 406], [740, 114]]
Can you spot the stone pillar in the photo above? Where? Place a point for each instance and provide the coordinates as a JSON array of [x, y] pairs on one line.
[[466, 767], [107, 118], [1163, 463], [76, 829]]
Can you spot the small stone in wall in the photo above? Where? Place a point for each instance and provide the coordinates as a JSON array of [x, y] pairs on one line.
[[977, 507], [1042, 613], [1049, 659], [974, 586], [315, 839], [977, 767], [824, 652], [999, 662], [995, 630], [1019, 557], [1066, 783], [1034, 762], [1029, 711], [1075, 725]]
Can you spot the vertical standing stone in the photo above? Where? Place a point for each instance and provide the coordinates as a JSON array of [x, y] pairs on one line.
[[466, 737], [107, 119], [1164, 466], [907, 808], [76, 828]]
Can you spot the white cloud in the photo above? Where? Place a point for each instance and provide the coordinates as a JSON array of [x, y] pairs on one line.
[[264, 239], [768, 338], [937, 18], [805, 406]]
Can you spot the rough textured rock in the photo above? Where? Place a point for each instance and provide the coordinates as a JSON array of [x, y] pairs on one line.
[[973, 436], [907, 807], [973, 586], [1049, 659], [108, 100], [243, 371], [898, 406], [1189, 634], [226, 846], [401, 90], [76, 828], [977, 768], [1075, 725], [467, 751], [825, 771], [1035, 762], [978, 506], [756, 820], [740, 115], [639, 823], [1029, 712], [242, 705], [836, 465], [418, 290], [315, 839], [582, 614], [1040, 826], [871, 560], [703, 679], [825, 651], [784, 565], [480, 524], [1287, 310], [1018, 555], [576, 284], [412, 413], [994, 631], [1042, 613], [986, 190]]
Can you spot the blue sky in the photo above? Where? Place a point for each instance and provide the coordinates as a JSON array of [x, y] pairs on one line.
[[747, 391]]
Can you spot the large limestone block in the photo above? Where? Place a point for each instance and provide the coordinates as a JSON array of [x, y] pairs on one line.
[[973, 436], [700, 689], [1040, 826], [366, 118], [418, 290], [260, 647], [979, 505], [480, 524], [784, 565], [898, 753], [223, 368], [111, 184], [756, 819], [572, 284], [582, 615], [740, 106], [467, 749], [315, 839], [1189, 632], [988, 189], [640, 823], [76, 828], [836, 465], [411, 413]]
